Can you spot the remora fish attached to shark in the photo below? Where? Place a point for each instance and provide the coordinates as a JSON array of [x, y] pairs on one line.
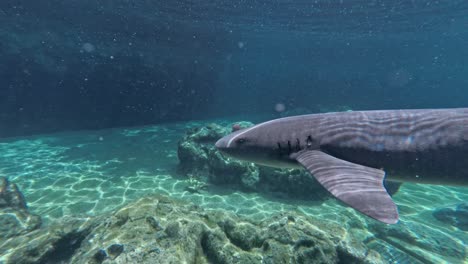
[[351, 153]]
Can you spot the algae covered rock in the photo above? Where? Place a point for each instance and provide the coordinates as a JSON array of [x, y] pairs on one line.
[[293, 182], [222, 170], [307, 242], [245, 235], [193, 149], [10, 196], [200, 159], [55, 243], [456, 216], [158, 229], [15, 218], [417, 243], [219, 249]]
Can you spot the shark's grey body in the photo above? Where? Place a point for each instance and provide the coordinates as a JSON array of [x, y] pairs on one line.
[[350, 153]]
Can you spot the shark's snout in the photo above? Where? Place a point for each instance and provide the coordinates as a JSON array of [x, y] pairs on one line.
[[221, 144], [225, 142]]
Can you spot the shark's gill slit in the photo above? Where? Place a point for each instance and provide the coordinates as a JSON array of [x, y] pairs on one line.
[[298, 144], [309, 141], [289, 147]]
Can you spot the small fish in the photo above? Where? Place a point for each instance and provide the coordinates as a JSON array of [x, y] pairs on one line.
[[351, 153]]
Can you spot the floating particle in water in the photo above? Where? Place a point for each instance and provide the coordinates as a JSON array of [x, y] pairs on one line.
[[280, 107], [88, 47], [399, 78], [240, 44]]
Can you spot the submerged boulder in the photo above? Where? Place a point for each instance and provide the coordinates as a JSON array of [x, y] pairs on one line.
[[158, 229], [413, 242], [54, 243], [15, 218], [200, 159], [10, 195], [456, 216]]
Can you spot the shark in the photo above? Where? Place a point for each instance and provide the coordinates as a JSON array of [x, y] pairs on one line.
[[351, 154]]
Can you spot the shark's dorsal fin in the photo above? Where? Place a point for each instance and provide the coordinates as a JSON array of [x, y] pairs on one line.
[[358, 186]]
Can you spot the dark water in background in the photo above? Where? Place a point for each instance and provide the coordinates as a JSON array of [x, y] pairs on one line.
[[88, 64]]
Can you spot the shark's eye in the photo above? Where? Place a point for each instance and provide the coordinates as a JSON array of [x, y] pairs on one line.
[[240, 141]]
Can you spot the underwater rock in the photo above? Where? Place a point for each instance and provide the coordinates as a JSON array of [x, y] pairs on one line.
[[245, 236], [184, 233], [457, 216], [202, 161], [99, 257], [15, 219], [10, 196], [293, 182], [218, 249], [174, 239], [114, 250], [275, 252], [193, 149], [417, 243], [56, 243], [225, 171], [154, 223], [250, 180], [15, 223], [199, 158], [307, 243]]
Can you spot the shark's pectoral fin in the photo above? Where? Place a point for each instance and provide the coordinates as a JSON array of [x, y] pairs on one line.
[[358, 186]]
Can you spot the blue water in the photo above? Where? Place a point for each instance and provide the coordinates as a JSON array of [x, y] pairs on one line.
[[95, 95], [87, 64]]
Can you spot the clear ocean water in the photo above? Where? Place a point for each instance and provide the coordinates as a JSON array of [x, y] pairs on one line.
[[95, 97]]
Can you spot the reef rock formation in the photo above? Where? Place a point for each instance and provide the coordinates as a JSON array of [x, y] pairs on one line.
[[14, 216], [200, 159], [412, 242], [156, 229], [10, 196], [456, 216]]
